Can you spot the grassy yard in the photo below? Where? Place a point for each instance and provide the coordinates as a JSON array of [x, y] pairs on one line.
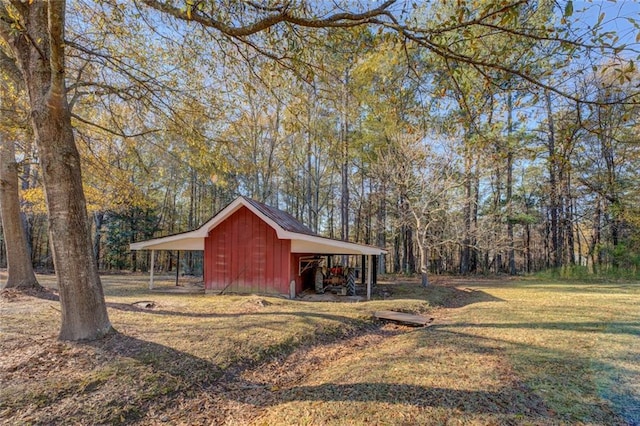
[[498, 352]]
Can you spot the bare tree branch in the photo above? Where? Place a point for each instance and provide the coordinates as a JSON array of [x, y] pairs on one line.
[[338, 20], [446, 52], [114, 132]]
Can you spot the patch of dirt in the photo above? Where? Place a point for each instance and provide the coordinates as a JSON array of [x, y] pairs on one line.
[[328, 296], [46, 357], [15, 294], [10, 295], [254, 304], [145, 304], [288, 371], [22, 302]]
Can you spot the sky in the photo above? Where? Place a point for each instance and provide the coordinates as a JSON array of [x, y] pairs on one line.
[[621, 16]]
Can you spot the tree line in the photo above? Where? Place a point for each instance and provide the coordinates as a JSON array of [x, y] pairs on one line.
[[464, 137]]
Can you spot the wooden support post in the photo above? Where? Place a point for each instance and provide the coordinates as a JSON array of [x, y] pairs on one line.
[[376, 267], [152, 267], [177, 267], [369, 276], [204, 282]]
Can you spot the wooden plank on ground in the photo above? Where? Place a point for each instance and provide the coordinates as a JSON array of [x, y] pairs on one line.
[[401, 317]]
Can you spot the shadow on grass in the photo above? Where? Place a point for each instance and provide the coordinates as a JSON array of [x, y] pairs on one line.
[[149, 375], [434, 295], [437, 295], [183, 375], [631, 328], [579, 377], [49, 294], [583, 287], [454, 297], [507, 401], [126, 307], [188, 367], [178, 374], [43, 293]]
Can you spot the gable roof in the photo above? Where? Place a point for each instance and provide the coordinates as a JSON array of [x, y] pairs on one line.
[[282, 218], [303, 239]]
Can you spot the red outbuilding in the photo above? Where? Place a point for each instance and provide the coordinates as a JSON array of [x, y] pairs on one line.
[[250, 247]]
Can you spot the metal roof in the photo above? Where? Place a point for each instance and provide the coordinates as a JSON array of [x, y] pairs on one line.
[[282, 218]]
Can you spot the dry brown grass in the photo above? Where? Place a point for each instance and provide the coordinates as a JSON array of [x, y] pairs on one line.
[[511, 352]]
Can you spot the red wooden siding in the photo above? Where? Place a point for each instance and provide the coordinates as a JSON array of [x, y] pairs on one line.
[[243, 254]]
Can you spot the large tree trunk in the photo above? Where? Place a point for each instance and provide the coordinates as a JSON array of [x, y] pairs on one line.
[[39, 50], [20, 270]]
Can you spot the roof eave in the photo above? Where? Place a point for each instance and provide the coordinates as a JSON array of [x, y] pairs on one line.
[[185, 241], [331, 246]]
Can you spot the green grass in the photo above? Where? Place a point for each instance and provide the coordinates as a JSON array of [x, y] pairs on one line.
[[527, 351], [537, 352], [582, 274]]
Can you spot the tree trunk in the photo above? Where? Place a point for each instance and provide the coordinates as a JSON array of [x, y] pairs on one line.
[[509, 189], [424, 265], [3, 260], [410, 258], [578, 235], [596, 238], [344, 200], [473, 239], [98, 220], [497, 215], [39, 51], [568, 222], [381, 237], [554, 203], [29, 180], [308, 178], [397, 265], [527, 232], [465, 255], [20, 270]]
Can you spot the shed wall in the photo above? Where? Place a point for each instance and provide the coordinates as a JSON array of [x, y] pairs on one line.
[[243, 254]]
